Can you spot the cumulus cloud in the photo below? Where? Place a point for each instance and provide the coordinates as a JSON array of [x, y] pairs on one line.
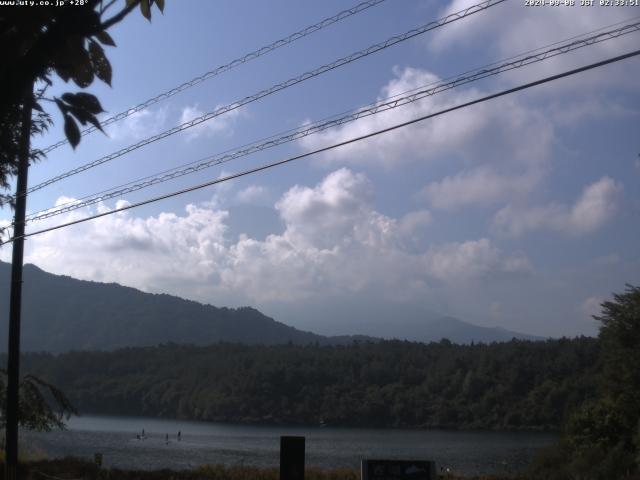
[[487, 138], [472, 259], [334, 243], [150, 253], [332, 212], [222, 124], [595, 207]]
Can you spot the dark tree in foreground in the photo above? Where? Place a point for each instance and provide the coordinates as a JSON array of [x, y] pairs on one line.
[[602, 439], [620, 336], [43, 407], [40, 42]]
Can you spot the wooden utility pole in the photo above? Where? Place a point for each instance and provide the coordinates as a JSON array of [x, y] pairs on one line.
[[13, 360]]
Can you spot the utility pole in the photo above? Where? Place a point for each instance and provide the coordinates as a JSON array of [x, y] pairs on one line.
[[15, 302]]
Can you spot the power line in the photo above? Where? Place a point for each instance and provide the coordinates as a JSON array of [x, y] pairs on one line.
[[276, 88], [393, 102], [228, 66], [335, 145]]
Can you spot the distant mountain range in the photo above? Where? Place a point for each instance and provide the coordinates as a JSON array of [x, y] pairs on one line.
[[61, 313]]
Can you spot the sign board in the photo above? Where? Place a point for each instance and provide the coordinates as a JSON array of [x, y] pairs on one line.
[[398, 470]]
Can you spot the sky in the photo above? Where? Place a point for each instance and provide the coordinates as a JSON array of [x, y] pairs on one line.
[[521, 212]]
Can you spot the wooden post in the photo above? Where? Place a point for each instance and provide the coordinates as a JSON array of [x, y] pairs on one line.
[[292, 458], [15, 302]]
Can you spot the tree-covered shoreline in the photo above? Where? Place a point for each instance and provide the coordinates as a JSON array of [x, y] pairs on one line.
[[517, 385]]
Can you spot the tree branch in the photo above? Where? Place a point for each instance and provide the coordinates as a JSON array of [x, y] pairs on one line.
[[107, 6], [119, 16]]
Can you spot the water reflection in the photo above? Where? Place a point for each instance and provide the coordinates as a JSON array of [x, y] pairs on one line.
[[121, 441]]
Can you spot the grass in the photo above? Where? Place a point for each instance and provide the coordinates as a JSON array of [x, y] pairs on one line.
[[74, 469]]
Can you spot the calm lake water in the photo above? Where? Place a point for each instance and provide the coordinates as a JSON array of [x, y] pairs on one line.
[[211, 443]]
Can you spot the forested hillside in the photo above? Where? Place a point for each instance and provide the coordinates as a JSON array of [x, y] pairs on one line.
[[513, 385], [61, 313]]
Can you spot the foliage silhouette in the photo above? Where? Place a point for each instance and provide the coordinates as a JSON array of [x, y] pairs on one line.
[[40, 42], [35, 410], [601, 439]]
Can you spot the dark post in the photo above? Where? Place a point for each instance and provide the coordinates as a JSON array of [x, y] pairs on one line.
[[13, 359], [291, 458]]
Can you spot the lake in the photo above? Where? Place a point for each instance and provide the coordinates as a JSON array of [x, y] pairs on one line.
[[213, 443]]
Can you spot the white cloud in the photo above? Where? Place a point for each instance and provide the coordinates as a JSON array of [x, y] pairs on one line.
[[472, 259], [63, 200], [253, 194], [480, 187], [138, 125], [595, 207], [150, 253], [591, 306], [5, 233], [332, 212], [462, 134], [512, 28], [414, 221], [522, 27], [334, 243], [222, 124]]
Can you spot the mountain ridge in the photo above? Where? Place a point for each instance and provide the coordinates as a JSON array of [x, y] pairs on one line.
[[62, 313]]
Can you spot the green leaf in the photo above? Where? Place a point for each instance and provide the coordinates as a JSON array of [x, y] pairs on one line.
[[95, 122], [105, 39], [83, 76], [63, 73], [63, 108], [85, 117], [76, 59], [101, 65], [72, 131], [86, 101], [69, 98], [90, 102], [81, 115], [92, 19], [160, 4], [145, 9]]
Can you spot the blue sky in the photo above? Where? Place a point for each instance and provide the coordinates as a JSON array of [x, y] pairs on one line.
[[520, 212]]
